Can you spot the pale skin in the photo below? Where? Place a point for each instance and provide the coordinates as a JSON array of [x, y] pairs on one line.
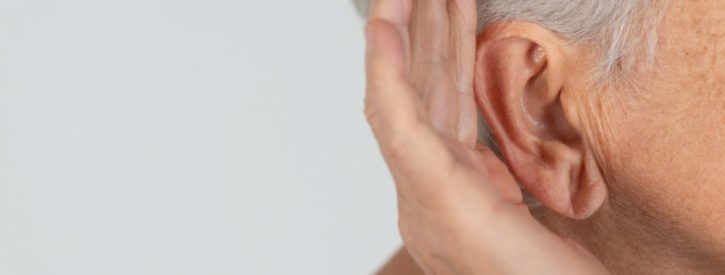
[[630, 177]]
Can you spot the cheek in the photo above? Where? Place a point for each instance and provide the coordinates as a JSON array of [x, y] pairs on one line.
[[666, 157], [665, 143], [662, 148]]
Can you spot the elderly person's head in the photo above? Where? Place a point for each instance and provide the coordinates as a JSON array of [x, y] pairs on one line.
[[611, 114]]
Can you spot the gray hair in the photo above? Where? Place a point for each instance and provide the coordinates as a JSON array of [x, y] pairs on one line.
[[623, 33]]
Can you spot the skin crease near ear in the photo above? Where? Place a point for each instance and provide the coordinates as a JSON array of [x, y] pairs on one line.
[[523, 88]]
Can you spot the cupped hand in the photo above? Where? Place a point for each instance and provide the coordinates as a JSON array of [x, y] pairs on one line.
[[460, 210]]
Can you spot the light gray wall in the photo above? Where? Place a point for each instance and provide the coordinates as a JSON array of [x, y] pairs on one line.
[[187, 137]]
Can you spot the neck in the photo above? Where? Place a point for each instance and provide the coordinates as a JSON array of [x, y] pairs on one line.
[[628, 242]]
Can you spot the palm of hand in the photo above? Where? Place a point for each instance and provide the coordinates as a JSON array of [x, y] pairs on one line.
[[460, 209]]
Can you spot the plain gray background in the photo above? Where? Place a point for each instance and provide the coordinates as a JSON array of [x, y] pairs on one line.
[[187, 137]]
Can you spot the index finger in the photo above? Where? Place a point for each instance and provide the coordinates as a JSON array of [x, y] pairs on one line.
[[391, 106]]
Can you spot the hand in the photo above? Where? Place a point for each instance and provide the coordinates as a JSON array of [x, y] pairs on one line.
[[460, 210]]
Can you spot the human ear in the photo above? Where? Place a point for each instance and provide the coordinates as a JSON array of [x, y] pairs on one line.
[[523, 88]]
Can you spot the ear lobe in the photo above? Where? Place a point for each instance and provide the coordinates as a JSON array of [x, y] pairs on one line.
[[520, 77]]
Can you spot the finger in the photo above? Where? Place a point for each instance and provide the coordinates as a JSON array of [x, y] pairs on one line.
[[430, 42], [467, 117], [391, 106], [429, 32], [397, 12], [463, 24], [409, 145]]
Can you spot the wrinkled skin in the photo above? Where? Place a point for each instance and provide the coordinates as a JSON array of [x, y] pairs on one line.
[[662, 149], [630, 177]]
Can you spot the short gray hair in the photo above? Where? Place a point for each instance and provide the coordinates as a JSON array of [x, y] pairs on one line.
[[623, 33]]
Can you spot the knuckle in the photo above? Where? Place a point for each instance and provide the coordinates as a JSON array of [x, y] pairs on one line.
[[368, 110], [396, 147], [371, 111]]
